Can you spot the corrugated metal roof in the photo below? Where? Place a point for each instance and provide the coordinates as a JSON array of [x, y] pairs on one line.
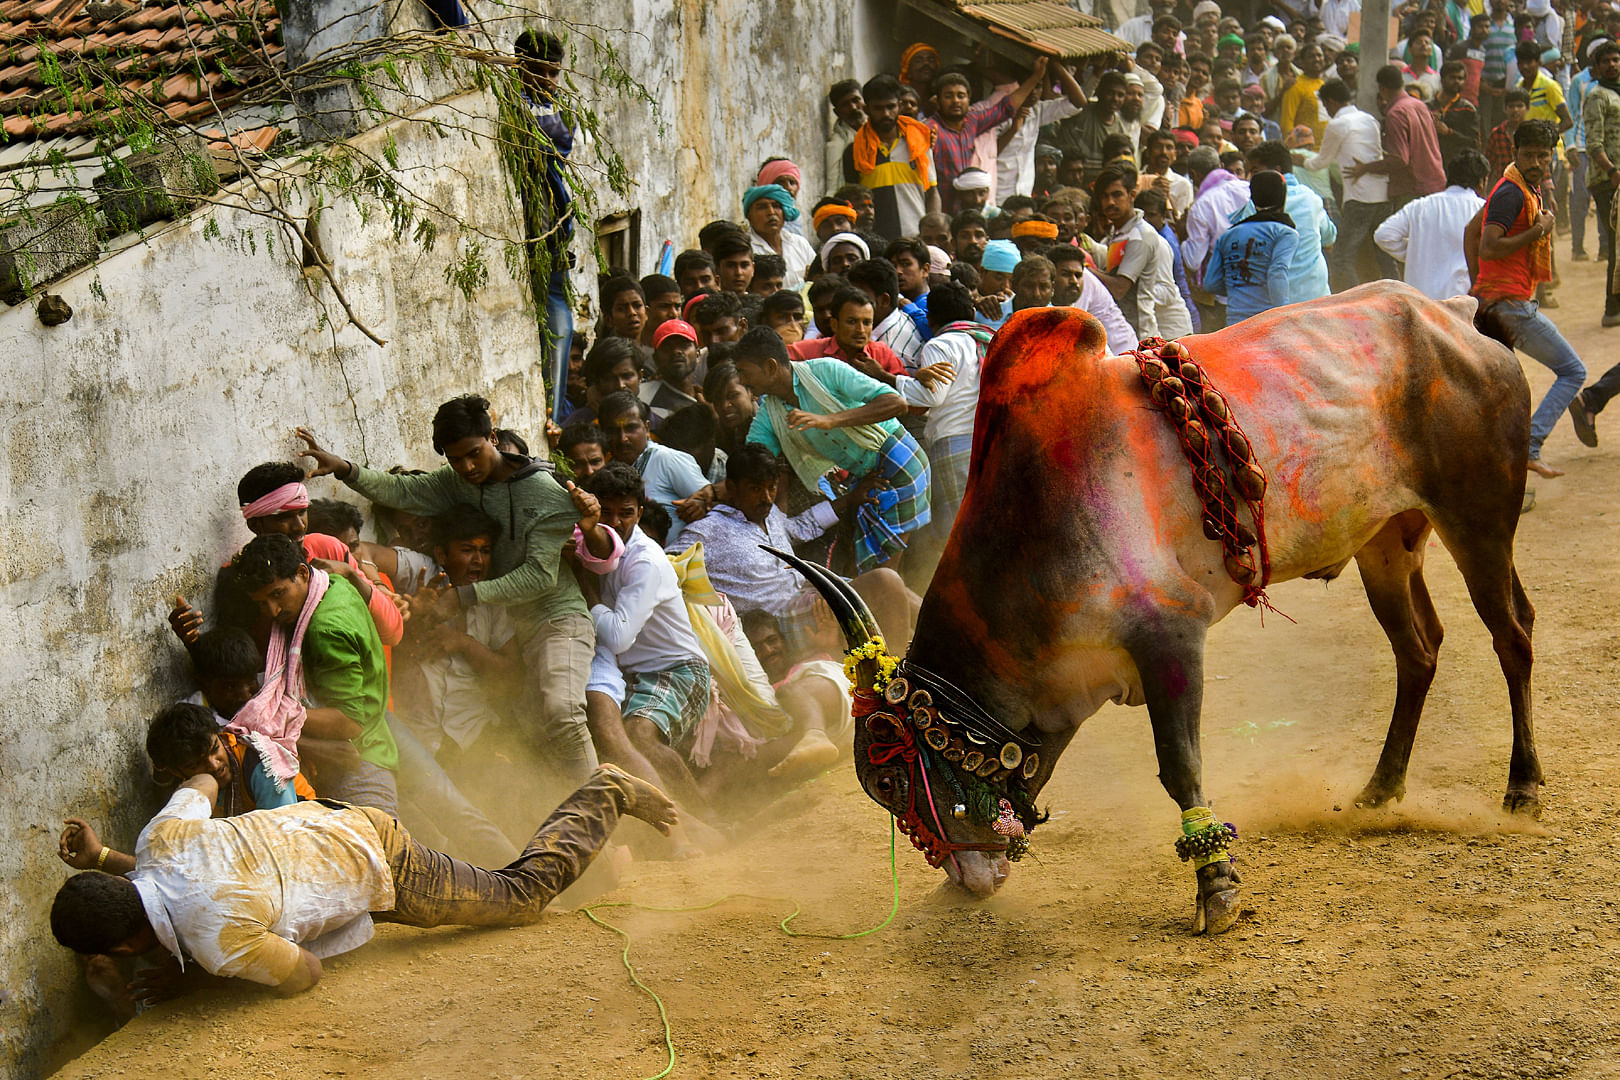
[[1044, 25]]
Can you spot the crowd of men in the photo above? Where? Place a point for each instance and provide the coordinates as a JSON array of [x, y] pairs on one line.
[[599, 615]]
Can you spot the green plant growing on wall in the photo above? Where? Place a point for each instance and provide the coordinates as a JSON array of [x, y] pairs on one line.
[[121, 109]]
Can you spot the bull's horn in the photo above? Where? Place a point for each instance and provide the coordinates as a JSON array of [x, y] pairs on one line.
[[854, 619]]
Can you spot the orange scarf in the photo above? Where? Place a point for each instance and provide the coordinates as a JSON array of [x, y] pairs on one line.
[[919, 141], [1541, 251]]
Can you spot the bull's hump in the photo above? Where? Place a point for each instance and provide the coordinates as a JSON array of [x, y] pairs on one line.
[[1037, 350]]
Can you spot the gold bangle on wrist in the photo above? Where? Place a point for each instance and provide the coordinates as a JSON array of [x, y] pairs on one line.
[[101, 860]]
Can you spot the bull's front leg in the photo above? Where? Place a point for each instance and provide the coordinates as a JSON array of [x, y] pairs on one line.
[[1169, 658]]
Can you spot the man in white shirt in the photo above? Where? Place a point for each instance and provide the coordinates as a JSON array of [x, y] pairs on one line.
[[1427, 233], [1350, 138], [1018, 137], [649, 666], [1140, 28], [265, 895], [1075, 285], [849, 115]]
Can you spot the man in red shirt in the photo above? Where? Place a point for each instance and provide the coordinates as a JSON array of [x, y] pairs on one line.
[[851, 340], [1411, 146], [1512, 237]]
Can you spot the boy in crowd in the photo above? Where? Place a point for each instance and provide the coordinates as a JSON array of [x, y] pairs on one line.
[[585, 447], [672, 477], [664, 302], [694, 272], [733, 261], [784, 313], [716, 317], [769, 271], [612, 365], [545, 604]]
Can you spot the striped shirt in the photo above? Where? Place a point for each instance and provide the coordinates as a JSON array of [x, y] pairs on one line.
[[897, 190], [899, 333], [953, 150]]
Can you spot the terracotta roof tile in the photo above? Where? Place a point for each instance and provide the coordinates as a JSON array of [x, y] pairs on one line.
[[153, 49]]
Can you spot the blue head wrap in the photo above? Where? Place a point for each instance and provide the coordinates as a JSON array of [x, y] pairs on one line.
[[790, 209]]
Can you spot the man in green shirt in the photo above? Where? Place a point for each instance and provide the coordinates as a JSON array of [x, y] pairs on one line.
[[824, 416], [342, 657], [537, 517]]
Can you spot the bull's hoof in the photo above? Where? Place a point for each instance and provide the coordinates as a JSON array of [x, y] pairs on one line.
[[1218, 904], [1523, 799], [1379, 792]]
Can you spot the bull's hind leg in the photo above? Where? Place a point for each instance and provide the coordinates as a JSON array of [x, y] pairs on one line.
[[1485, 557], [1391, 566], [1169, 659]]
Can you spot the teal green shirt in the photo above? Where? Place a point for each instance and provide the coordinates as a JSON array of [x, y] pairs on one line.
[[536, 517], [344, 669], [850, 389]]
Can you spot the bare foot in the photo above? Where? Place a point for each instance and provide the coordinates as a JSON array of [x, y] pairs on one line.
[[646, 801], [813, 753], [1541, 468]]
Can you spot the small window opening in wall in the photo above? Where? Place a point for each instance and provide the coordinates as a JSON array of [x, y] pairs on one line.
[[313, 254], [618, 237]]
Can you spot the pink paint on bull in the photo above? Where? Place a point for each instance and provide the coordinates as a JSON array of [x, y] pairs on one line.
[[284, 498]]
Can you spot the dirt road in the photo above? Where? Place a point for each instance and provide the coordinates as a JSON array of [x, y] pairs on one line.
[[1436, 939]]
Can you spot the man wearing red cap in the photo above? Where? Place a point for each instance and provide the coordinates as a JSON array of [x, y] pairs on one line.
[[675, 355]]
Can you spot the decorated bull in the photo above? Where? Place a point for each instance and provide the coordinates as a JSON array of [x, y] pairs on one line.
[[1117, 506]]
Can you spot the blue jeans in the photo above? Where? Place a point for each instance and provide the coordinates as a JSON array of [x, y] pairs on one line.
[[558, 336], [1535, 335]]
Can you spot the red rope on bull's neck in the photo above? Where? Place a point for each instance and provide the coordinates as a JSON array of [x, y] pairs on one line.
[[1203, 421]]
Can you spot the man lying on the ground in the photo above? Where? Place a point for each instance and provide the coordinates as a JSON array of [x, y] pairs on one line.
[[266, 895]]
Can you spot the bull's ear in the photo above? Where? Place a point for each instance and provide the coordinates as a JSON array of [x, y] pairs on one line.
[[854, 618]]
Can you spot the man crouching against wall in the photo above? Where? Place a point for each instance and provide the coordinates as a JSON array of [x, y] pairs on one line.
[[266, 895]]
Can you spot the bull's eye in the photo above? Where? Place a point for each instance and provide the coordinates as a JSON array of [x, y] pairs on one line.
[[885, 786]]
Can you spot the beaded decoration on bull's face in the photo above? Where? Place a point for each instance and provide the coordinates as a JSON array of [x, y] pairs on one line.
[[954, 778]]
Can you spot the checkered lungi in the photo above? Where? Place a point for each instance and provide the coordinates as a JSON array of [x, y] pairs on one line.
[[674, 699], [902, 503], [948, 461]]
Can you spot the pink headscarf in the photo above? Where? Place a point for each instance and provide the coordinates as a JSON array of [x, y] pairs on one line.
[[287, 497], [774, 171], [273, 718]]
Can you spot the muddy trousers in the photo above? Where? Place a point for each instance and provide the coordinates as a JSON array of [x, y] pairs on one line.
[[433, 889]]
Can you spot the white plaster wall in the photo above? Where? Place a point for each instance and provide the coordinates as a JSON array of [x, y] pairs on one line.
[[127, 428], [125, 432], [736, 81]]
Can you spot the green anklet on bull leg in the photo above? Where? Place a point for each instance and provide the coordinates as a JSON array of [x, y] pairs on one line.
[[1203, 842]]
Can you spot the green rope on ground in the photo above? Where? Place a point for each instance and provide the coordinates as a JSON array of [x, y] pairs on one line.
[[663, 1014]]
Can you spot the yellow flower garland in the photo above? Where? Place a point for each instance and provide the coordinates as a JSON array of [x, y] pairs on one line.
[[871, 649]]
